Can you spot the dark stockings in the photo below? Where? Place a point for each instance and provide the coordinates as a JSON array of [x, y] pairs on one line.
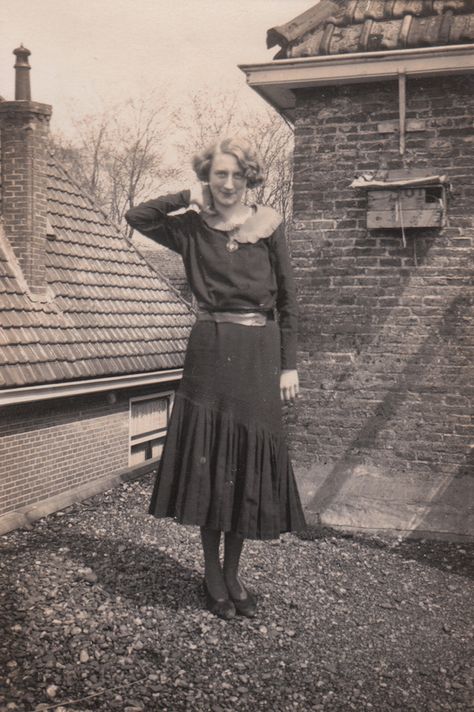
[[222, 580]]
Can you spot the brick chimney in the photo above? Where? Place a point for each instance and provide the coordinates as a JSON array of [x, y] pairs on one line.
[[24, 127]]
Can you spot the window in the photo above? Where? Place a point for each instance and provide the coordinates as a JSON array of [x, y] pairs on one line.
[[149, 417]]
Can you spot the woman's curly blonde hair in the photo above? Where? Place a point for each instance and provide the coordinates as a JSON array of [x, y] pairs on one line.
[[246, 155]]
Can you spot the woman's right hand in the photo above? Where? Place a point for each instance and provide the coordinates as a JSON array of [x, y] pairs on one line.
[[289, 385], [201, 197]]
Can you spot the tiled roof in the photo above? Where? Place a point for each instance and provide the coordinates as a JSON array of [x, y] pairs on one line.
[[344, 26], [112, 312], [167, 262]]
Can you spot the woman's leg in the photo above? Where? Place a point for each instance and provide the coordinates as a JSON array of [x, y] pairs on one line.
[[233, 545], [215, 583]]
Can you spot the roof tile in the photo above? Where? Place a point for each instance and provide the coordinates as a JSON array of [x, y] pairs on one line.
[[107, 299], [350, 26]]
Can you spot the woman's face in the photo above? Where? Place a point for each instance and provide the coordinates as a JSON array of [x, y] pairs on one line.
[[227, 182]]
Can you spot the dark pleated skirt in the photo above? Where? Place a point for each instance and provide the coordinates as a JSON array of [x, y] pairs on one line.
[[225, 462]]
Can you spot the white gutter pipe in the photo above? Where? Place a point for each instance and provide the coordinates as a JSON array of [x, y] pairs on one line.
[[29, 394]]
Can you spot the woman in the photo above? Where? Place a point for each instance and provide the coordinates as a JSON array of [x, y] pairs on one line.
[[225, 464]]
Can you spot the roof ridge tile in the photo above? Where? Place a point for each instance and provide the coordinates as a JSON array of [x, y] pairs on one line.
[[336, 27]]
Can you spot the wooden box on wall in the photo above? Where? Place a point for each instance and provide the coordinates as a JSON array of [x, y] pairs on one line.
[[406, 207], [404, 198]]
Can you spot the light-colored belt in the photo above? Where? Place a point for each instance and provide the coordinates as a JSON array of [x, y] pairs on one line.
[[243, 318]]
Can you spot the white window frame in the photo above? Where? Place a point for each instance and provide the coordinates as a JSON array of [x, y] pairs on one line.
[[152, 435]]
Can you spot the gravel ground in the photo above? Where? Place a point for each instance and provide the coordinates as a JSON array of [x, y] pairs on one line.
[[101, 609]]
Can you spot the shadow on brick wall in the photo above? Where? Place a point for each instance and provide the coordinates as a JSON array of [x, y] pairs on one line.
[[447, 333]]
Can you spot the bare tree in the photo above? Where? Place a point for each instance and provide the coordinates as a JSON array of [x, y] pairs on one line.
[[85, 157], [118, 155], [136, 164]]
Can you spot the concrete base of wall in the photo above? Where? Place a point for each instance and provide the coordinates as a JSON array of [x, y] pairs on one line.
[[25, 516], [351, 497], [359, 497]]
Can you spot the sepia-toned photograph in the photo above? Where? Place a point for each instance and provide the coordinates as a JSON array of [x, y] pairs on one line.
[[236, 355]]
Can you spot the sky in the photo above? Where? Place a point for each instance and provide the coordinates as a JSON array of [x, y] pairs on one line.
[[87, 55]]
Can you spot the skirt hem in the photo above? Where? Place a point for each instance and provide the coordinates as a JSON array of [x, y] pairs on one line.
[[243, 535], [225, 475]]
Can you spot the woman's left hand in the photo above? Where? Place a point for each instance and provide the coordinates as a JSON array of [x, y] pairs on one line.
[[200, 195], [289, 386]]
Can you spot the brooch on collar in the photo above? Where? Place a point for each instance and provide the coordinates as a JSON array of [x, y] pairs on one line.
[[232, 244]]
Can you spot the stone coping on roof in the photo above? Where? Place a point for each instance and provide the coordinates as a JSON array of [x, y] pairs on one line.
[[334, 27]]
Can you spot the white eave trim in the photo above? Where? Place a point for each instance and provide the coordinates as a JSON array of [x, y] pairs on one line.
[[30, 394], [275, 80]]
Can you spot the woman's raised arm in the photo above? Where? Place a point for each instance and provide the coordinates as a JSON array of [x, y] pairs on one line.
[[152, 219]]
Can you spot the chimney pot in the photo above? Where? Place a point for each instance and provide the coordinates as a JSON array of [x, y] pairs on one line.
[[22, 74]]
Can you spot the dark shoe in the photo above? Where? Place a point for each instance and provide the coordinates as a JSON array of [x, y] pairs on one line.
[[222, 608], [245, 606]]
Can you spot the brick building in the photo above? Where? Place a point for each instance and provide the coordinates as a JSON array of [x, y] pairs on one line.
[[92, 338], [383, 93]]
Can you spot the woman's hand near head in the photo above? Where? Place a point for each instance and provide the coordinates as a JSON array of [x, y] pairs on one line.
[[200, 196], [289, 385], [197, 195]]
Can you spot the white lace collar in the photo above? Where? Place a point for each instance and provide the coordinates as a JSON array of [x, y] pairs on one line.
[[261, 224]]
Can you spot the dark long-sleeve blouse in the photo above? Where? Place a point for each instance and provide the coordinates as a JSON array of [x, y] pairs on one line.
[[257, 275]]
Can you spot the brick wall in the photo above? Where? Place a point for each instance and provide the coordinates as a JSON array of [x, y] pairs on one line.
[[381, 437], [24, 130], [50, 447]]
